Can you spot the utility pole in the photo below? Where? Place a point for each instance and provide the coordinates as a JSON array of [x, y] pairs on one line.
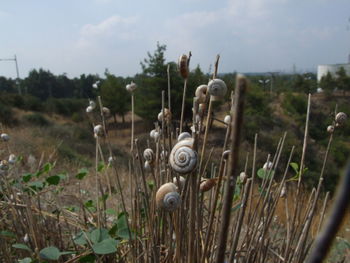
[[17, 71]]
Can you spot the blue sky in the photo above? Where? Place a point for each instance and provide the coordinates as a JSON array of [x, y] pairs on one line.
[[87, 36]]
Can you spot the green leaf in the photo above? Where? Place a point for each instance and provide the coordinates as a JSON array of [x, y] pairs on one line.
[[88, 259], [6, 233], [263, 174], [50, 253], [53, 180], [26, 178], [99, 235], [80, 238], [124, 233], [36, 186], [100, 167], [47, 168], [295, 167], [82, 173], [107, 246], [62, 176], [22, 246], [111, 211], [25, 260]]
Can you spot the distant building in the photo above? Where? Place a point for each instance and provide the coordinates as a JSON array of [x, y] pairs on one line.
[[322, 70]]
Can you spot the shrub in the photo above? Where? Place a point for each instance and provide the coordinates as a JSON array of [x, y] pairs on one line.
[[36, 119]]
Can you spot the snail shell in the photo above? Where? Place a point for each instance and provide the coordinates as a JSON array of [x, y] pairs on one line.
[[226, 154], [98, 130], [340, 118], [12, 159], [92, 104], [167, 115], [89, 109], [156, 136], [4, 165], [151, 134], [183, 66], [243, 177], [201, 93], [183, 159], [111, 160], [330, 129], [217, 89], [5, 137], [183, 135], [207, 184], [182, 181], [26, 238], [167, 197], [283, 192], [131, 87], [267, 166], [106, 111], [148, 154], [147, 166], [227, 119]]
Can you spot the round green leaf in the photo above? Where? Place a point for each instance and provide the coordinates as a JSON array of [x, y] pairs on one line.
[[50, 253], [22, 246], [107, 246]]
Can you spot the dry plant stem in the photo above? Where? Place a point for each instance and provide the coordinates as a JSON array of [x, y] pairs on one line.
[[340, 207], [132, 122], [169, 88], [216, 196], [253, 175], [183, 105], [323, 212], [241, 86], [97, 185]]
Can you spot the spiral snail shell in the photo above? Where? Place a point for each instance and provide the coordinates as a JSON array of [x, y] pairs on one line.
[[151, 134], [243, 177], [227, 119], [5, 137], [183, 159], [98, 130], [92, 104], [148, 154], [12, 159], [217, 89], [167, 197], [267, 166], [89, 109], [183, 66], [106, 111], [131, 87], [201, 93], [330, 129], [147, 166], [183, 135], [340, 118], [283, 192], [4, 165], [167, 115], [207, 184], [226, 154]]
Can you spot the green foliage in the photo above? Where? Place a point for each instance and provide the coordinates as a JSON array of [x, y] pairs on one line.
[[36, 119], [22, 246], [52, 253], [6, 115]]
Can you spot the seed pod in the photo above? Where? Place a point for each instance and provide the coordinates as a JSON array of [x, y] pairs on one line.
[[131, 87], [183, 66], [183, 159], [330, 129], [217, 89], [167, 197], [98, 130], [148, 154], [5, 137], [183, 135], [340, 118], [243, 177], [227, 119], [201, 93], [207, 184]]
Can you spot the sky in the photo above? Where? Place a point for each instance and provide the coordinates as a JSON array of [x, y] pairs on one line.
[[87, 36]]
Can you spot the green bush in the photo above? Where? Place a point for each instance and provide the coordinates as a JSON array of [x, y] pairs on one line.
[[36, 119], [65, 107], [6, 115]]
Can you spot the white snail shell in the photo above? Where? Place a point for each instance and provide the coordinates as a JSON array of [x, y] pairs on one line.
[[201, 93], [227, 119], [156, 136], [283, 192], [147, 166], [243, 177], [226, 154], [183, 135], [330, 129], [151, 134], [207, 184], [89, 109], [12, 159], [26, 238], [341, 118], [217, 89], [5, 137], [4, 165], [267, 166], [167, 115], [92, 104], [182, 181], [183, 66], [167, 197], [131, 87], [148, 154], [98, 130], [106, 111], [183, 159]]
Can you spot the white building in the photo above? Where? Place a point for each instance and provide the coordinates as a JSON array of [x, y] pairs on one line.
[[322, 70]]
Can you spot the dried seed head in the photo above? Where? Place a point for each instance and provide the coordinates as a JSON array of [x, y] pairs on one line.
[[207, 184], [183, 66]]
